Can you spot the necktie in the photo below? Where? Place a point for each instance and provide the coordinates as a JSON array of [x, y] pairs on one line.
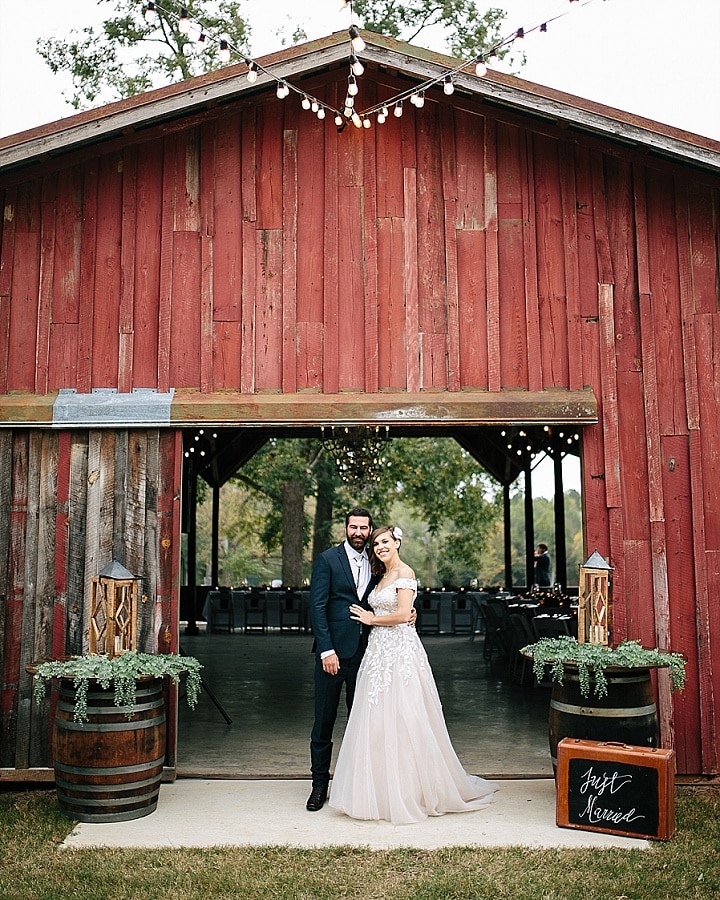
[[358, 574]]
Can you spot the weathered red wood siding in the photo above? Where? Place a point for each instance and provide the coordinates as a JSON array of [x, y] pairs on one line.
[[458, 247], [77, 500]]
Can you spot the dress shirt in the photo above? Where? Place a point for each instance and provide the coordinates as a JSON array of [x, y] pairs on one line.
[[360, 568]]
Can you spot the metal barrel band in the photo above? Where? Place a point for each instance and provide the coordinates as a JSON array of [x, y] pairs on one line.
[[110, 788], [65, 725], [622, 712], [110, 770]]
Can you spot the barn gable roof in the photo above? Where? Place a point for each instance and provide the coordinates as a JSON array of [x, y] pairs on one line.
[[197, 96]]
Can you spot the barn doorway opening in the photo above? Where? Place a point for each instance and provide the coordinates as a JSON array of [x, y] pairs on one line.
[[262, 675]]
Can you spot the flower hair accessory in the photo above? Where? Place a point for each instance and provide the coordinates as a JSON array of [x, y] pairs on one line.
[[396, 532]]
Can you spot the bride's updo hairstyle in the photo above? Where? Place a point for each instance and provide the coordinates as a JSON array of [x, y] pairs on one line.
[[376, 566]]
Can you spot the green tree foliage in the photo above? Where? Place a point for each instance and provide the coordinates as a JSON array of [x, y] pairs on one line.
[[492, 569], [446, 527], [127, 54], [467, 32]]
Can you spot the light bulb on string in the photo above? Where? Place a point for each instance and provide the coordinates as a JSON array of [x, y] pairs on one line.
[[519, 36], [252, 72], [314, 106], [349, 102], [352, 86], [543, 28], [183, 21], [448, 85], [357, 67], [366, 122], [358, 44], [224, 53], [338, 119], [382, 117], [150, 13], [420, 99], [356, 120], [305, 102], [321, 112], [348, 111], [398, 111], [480, 66], [202, 42], [282, 90]]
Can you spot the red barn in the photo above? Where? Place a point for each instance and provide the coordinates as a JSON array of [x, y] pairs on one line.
[[211, 254]]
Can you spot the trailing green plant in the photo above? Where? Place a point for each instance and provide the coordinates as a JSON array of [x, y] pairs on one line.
[[592, 660], [119, 672]]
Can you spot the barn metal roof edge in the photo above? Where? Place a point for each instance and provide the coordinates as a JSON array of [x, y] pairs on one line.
[[207, 91]]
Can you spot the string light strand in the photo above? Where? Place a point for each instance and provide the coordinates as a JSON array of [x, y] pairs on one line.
[[446, 80]]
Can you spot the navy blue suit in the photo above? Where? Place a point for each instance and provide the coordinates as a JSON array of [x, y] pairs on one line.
[[332, 592]]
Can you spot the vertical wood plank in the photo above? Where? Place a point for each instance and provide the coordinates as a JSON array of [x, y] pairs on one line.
[[569, 206], [105, 325], [32, 619], [249, 219], [448, 155], [331, 270], [289, 259], [268, 313], [652, 437], [150, 235], [370, 254], [7, 250], [208, 191], [77, 540], [128, 231], [392, 364], [23, 321], [410, 256], [62, 538], [186, 314], [492, 257], [608, 376], [600, 220], [167, 253], [698, 268], [533, 203], [7, 632], [45, 288], [12, 656]]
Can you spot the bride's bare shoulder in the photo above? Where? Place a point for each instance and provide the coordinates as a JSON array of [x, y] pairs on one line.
[[406, 572]]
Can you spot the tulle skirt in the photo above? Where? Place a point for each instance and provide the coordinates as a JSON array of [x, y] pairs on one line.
[[396, 761]]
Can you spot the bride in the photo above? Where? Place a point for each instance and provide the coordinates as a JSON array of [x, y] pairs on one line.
[[396, 761]]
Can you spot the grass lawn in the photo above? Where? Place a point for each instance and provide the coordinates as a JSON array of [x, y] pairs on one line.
[[33, 865]]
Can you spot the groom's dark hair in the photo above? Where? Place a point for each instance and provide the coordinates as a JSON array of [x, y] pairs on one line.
[[359, 511]]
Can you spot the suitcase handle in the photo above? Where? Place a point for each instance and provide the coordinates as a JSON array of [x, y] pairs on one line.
[[623, 746]]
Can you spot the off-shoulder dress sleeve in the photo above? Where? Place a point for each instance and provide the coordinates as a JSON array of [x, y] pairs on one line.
[[406, 583]]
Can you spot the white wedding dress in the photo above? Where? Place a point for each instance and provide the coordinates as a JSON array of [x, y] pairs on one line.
[[396, 761]]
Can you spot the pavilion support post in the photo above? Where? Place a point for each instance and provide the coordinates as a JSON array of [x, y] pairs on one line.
[[507, 534], [560, 546], [529, 525]]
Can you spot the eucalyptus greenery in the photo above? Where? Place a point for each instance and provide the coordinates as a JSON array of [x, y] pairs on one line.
[[592, 661], [121, 672]]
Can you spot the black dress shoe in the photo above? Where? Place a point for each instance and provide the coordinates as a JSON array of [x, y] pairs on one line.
[[317, 799]]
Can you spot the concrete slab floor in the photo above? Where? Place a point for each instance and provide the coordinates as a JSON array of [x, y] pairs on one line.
[[265, 684], [202, 813]]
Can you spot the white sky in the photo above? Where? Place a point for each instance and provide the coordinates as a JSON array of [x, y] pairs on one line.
[[655, 58]]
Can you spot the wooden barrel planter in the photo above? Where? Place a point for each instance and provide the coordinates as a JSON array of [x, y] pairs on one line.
[[627, 714], [109, 768]]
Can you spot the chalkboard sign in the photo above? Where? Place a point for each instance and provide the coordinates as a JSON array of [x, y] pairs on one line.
[[615, 788]]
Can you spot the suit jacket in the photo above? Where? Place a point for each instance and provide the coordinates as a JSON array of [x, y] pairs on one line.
[[332, 592]]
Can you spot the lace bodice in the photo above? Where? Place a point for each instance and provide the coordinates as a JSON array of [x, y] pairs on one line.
[[385, 602], [393, 650]]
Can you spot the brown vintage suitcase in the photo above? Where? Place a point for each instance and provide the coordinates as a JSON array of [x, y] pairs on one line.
[[616, 788]]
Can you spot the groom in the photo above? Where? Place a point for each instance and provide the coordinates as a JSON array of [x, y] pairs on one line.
[[341, 576]]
